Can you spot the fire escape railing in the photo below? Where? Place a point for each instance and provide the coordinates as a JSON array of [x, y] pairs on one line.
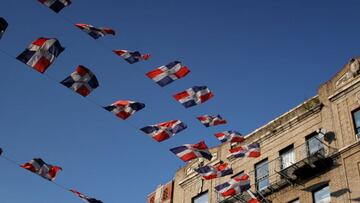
[[310, 159]]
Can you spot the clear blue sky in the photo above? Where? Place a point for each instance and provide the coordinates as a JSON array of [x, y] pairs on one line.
[[260, 58]]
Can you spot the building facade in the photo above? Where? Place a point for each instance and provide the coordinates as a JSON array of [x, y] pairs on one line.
[[162, 194], [309, 154]]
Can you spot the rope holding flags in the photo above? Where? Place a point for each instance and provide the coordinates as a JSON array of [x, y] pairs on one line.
[[48, 172]]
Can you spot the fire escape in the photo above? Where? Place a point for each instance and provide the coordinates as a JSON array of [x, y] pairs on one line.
[[313, 158]]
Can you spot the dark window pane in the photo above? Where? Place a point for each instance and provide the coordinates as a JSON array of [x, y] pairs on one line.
[[314, 144], [262, 175], [356, 116], [322, 195], [287, 157], [202, 198]]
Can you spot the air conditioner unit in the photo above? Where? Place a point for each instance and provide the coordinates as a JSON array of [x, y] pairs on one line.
[[358, 136]]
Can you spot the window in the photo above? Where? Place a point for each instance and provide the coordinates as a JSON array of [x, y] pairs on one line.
[[314, 143], [262, 174], [201, 198], [356, 119], [152, 199], [165, 194], [295, 201], [287, 156], [322, 195]]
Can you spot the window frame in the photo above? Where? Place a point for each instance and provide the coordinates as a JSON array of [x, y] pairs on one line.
[[319, 189], [265, 177], [193, 199], [312, 137], [296, 200], [356, 129], [285, 150]]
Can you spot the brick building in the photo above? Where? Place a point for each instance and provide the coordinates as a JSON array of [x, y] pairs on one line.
[[162, 194], [309, 154]]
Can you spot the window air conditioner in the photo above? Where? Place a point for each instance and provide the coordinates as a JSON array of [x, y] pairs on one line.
[[358, 136]]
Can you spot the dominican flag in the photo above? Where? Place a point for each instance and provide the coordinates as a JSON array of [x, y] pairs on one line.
[[41, 168], [251, 150], [208, 120], [167, 74], [85, 198], [253, 200], [235, 186], [124, 108], [188, 152], [164, 131], [95, 32], [82, 81], [3, 26], [231, 136], [56, 5], [194, 96], [41, 53], [132, 56], [210, 172]]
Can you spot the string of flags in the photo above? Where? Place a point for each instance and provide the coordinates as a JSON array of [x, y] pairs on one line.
[[43, 52], [49, 172]]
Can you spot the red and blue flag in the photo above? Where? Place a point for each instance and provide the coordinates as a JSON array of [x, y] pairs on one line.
[[84, 197], [132, 56], [167, 74], [250, 150], [188, 152], [56, 5], [82, 81], [95, 32], [209, 172], [194, 96], [165, 130], [41, 168], [41, 53], [124, 108], [230, 135], [208, 120], [235, 186]]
